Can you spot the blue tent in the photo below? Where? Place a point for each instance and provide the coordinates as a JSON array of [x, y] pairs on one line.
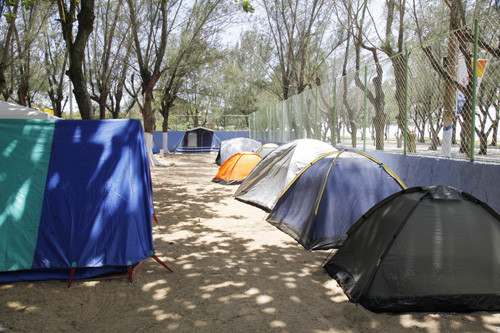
[[178, 140], [329, 196], [76, 196], [197, 140]]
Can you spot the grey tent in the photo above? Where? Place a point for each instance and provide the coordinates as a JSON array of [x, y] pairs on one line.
[[422, 249], [273, 174], [230, 147]]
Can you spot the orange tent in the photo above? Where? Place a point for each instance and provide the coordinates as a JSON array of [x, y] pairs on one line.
[[236, 168]]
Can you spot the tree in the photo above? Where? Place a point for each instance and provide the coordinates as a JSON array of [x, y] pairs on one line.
[[191, 50], [459, 42], [245, 74], [119, 77], [28, 80], [487, 100], [395, 13], [106, 51], [6, 50], [55, 68], [298, 29], [376, 97], [71, 11], [150, 30]]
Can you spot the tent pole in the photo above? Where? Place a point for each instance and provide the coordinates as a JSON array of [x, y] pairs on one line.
[[161, 262], [71, 275], [129, 269]]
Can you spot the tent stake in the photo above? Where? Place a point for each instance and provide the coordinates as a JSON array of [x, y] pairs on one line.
[[154, 216]]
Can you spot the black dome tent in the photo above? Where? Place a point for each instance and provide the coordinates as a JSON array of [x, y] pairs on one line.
[[422, 249]]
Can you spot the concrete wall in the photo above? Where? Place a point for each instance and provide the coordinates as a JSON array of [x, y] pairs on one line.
[[480, 179]]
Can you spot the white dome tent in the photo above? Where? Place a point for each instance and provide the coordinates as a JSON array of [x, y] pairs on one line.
[[15, 111]]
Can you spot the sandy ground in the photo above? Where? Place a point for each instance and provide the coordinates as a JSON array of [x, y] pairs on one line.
[[233, 272]]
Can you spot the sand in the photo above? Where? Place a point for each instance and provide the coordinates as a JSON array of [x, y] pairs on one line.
[[233, 272]]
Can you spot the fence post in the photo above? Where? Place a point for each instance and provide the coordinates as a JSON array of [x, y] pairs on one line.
[[283, 121], [277, 120], [250, 126], [364, 117], [273, 120], [275, 135], [334, 133], [405, 131], [253, 127], [260, 123], [316, 116], [290, 114], [269, 129], [474, 92], [263, 122]]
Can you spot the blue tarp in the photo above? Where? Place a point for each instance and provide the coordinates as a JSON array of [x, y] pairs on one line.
[[97, 201]]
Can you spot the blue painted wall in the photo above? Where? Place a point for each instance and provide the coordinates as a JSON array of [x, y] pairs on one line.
[[480, 179]]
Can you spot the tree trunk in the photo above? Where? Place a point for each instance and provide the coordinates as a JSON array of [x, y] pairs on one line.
[[454, 131], [465, 132], [2, 78], [80, 92], [76, 49], [23, 89], [379, 128], [398, 64], [495, 130], [354, 132], [166, 104], [449, 103], [165, 135], [6, 51], [483, 143], [147, 111], [103, 98], [434, 139]]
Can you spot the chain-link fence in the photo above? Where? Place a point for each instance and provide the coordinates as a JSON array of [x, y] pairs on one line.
[[215, 122], [423, 101]]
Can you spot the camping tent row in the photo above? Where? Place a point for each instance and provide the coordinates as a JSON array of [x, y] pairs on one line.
[[400, 250], [238, 160], [231, 147], [268, 179], [315, 193], [76, 198]]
